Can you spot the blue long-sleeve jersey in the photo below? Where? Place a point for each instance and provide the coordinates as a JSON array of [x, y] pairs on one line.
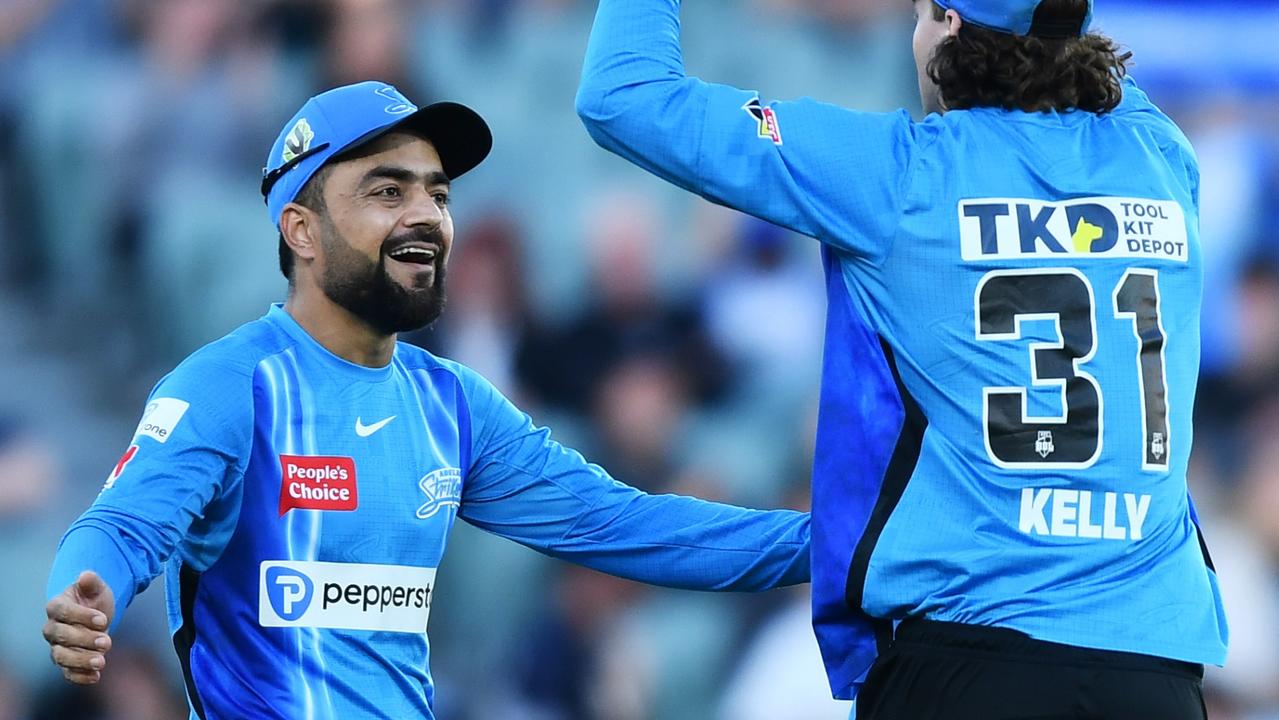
[[1011, 353], [302, 505]]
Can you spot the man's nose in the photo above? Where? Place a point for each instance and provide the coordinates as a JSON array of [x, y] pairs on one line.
[[423, 211]]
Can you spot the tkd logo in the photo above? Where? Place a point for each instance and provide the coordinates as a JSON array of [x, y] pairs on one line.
[[289, 591], [1093, 227], [1089, 228]]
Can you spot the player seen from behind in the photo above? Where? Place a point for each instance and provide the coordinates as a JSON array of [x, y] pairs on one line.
[[1001, 523]]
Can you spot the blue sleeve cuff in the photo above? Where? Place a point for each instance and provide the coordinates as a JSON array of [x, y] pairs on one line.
[[86, 547]]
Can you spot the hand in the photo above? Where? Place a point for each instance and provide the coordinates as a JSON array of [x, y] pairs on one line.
[[76, 628]]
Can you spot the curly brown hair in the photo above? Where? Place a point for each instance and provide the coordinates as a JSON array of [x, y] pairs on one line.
[[979, 67]]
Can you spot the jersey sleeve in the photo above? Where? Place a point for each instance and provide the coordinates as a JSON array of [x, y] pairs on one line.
[[526, 487], [821, 170], [193, 438]]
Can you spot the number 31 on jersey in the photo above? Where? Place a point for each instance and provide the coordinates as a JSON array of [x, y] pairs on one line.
[[1073, 439]]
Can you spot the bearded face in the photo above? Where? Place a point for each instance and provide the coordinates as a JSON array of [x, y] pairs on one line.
[[368, 290]]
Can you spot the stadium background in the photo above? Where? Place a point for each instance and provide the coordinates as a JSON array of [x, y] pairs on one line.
[[674, 342]]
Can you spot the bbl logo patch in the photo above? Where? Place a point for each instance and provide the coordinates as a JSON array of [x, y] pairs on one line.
[[768, 128], [299, 140]]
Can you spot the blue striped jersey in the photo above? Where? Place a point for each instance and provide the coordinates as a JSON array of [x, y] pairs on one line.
[[300, 506], [1012, 346]]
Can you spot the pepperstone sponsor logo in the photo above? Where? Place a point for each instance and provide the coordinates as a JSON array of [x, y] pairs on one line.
[[344, 596], [1098, 227], [317, 482], [161, 418], [288, 591]]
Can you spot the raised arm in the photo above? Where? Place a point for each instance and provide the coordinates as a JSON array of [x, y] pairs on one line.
[[524, 486], [818, 169]]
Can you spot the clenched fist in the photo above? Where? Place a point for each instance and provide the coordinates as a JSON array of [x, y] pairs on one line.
[[77, 628]]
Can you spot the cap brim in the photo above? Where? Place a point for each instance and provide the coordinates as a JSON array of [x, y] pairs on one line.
[[459, 135]]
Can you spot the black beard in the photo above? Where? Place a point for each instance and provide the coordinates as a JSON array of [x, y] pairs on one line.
[[365, 289]]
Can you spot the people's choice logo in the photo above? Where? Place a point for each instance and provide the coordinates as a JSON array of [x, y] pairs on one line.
[[345, 596], [161, 418], [288, 591], [317, 482]]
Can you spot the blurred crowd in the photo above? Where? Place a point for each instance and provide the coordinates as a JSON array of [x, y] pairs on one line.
[[673, 342]]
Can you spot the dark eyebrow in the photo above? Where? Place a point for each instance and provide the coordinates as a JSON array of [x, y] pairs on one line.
[[394, 172]]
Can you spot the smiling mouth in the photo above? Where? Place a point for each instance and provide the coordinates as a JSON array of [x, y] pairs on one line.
[[422, 256]]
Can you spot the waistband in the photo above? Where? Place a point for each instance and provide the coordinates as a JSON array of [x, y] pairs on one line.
[[1016, 644]]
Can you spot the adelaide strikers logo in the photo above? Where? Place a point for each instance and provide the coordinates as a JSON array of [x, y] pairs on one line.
[[443, 489]]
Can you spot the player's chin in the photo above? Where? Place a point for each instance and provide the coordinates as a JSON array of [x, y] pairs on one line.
[[412, 277]]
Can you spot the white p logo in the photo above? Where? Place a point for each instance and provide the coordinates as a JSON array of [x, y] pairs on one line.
[[289, 592], [292, 590]]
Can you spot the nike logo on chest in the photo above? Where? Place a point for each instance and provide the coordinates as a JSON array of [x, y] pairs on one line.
[[366, 430]]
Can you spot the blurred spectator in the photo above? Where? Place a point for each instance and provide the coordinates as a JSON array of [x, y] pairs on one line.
[[28, 479], [781, 675], [365, 40], [780, 671], [137, 690], [766, 307], [488, 304], [639, 407], [1226, 402], [628, 314], [574, 665], [14, 703]]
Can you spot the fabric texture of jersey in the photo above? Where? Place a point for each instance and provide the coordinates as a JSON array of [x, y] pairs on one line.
[[1011, 353], [302, 504]]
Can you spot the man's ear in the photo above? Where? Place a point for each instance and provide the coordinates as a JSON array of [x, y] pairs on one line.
[[300, 227], [953, 23]]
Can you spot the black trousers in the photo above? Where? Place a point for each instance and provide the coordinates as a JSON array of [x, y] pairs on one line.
[[949, 671]]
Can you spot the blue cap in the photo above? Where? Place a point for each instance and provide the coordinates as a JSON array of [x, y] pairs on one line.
[[1013, 16], [346, 117]]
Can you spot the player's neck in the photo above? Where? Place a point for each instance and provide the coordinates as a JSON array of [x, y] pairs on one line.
[[340, 332]]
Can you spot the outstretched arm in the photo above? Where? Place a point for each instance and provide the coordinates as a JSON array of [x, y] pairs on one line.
[[524, 486], [192, 439], [821, 170]]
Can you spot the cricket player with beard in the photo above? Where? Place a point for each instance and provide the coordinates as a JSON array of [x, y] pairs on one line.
[[297, 479]]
